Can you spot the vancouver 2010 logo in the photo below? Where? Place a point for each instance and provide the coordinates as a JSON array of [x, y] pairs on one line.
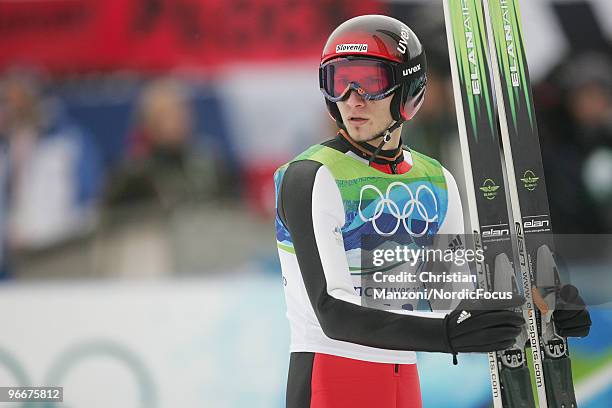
[[414, 203]]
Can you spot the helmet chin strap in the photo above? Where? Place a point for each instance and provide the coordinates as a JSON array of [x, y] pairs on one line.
[[386, 135]]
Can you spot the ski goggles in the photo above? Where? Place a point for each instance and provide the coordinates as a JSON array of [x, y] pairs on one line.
[[372, 79]]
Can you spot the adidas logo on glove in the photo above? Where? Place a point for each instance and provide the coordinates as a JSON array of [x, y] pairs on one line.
[[463, 316]]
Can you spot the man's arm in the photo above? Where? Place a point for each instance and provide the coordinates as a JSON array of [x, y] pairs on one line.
[[453, 221], [311, 208], [451, 236]]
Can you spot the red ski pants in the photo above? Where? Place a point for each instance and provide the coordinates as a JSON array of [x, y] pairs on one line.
[[325, 381]]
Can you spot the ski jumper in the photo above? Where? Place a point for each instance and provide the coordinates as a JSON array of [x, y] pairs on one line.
[[342, 353]]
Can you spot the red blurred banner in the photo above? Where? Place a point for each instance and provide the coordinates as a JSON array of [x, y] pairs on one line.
[[155, 35]]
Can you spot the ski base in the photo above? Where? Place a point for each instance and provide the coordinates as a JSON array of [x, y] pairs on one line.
[[559, 383], [517, 388]]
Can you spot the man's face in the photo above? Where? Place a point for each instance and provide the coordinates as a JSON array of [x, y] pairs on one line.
[[365, 119]]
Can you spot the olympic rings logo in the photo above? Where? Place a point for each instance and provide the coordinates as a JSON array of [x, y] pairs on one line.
[[413, 203], [69, 361]]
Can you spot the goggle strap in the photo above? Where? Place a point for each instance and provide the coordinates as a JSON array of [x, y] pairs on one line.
[[414, 68]]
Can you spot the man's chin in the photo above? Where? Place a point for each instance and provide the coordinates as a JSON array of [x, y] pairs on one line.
[[360, 134]]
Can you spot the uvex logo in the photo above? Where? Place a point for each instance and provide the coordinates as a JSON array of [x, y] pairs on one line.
[[352, 48], [403, 43], [410, 71]]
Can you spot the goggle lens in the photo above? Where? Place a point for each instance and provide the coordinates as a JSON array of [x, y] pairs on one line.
[[368, 77]]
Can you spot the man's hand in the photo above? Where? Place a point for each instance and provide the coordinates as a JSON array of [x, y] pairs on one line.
[[477, 326], [571, 317]]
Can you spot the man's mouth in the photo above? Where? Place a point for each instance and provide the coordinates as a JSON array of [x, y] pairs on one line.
[[357, 120]]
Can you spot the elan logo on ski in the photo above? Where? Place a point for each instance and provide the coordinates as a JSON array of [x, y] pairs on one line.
[[463, 316]]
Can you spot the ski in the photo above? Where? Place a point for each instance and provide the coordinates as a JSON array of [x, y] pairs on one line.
[[486, 199], [529, 200]]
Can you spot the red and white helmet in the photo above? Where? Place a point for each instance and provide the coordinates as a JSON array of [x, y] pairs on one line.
[[376, 56]]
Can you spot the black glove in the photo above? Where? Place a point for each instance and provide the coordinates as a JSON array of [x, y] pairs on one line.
[[475, 326], [571, 317]]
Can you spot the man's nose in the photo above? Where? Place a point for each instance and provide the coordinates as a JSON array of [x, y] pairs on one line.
[[354, 99]]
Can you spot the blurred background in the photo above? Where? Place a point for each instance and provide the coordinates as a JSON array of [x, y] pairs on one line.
[[138, 139]]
